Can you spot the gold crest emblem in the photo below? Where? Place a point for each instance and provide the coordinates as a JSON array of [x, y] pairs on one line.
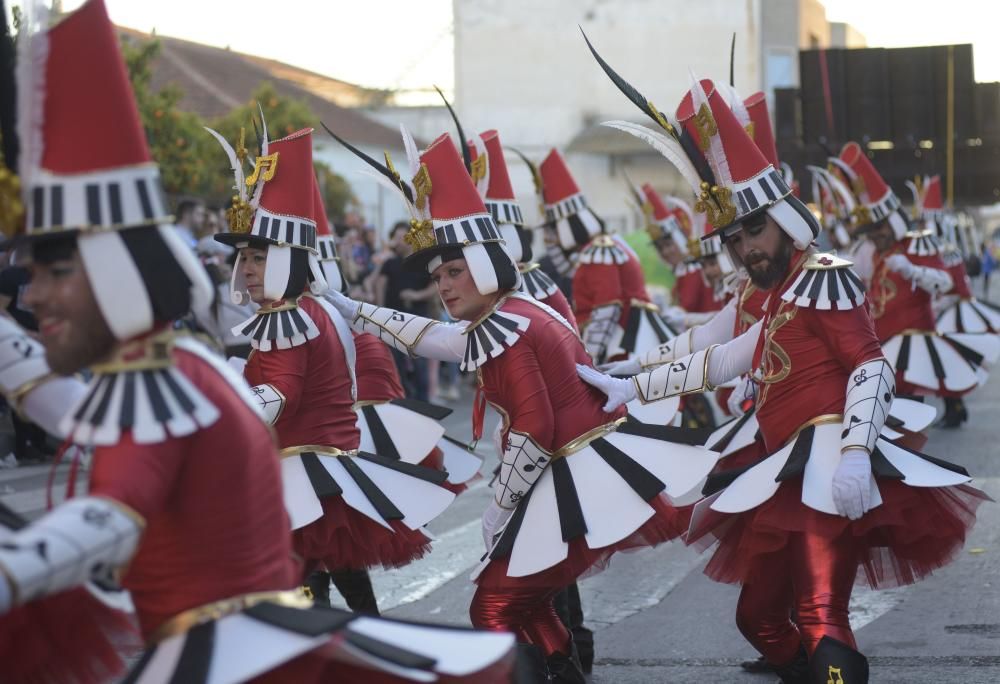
[[478, 171], [420, 235], [422, 184], [717, 204], [263, 169], [704, 122]]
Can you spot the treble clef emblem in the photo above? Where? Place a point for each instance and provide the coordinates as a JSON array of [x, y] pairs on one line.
[[861, 377]]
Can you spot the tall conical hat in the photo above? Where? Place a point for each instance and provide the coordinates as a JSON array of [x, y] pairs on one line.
[[564, 204], [876, 200], [730, 176], [86, 171], [448, 217]]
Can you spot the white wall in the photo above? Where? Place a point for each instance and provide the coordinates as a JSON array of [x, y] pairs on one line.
[[522, 67]]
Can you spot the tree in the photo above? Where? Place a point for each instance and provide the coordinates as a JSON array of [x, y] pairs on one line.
[[336, 191], [191, 162], [176, 139]]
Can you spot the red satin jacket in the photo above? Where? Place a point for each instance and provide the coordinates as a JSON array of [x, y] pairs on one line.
[[597, 284], [378, 377], [806, 357], [691, 292], [315, 380], [895, 303], [534, 383], [215, 523]]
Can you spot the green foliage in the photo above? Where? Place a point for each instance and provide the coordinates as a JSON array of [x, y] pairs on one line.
[[336, 192], [656, 272], [191, 161], [177, 140]]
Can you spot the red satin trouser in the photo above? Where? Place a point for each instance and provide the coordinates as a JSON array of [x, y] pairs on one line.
[[528, 613], [814, 577]]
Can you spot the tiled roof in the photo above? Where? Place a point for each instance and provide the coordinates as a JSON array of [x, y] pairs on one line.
[[215, 80]]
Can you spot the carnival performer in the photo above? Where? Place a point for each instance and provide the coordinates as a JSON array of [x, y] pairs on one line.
[[796, 527], [484, 160], [957, 310], [907, 274], [576, 484], [349, 509], [612, 307], [184, 496]]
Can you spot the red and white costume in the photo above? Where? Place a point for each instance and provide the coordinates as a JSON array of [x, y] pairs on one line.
[[184, 501], [576, 484], [493, 184], [957, 309], [349, 509], [832, 496], [405, 429], [610, 300], [905, 279]]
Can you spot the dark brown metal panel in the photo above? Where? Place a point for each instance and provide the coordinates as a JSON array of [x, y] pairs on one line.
[[909, 86], [814, 117], [868, 94]]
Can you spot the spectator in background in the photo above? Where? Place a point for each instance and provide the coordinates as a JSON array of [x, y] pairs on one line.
[[409, 291], [29, 439], [190, 221]]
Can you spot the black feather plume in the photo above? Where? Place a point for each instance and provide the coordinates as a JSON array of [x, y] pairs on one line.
[[463, 142], [378, 166], [535, 174], [732, 61], [630, 92]]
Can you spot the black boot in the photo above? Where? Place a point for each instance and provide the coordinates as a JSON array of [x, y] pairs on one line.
[[797, 671], [566, 669], [570, 611], [318, 586], [757, 665], [955, 412], [529, 667], [356, 588], [834, 662]]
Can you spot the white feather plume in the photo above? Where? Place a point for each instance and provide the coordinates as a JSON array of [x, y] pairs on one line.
[[33, 52], [915, 191], [665, 145], [412, 155], [735, 102], [715, 154], [234, 163], [264, 142]]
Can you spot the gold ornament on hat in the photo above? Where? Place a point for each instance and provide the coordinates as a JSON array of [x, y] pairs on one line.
[[858, 186], [478, 170], [11, 206], [420, 235], [652, 227], [263, 169], [422, 184], [717, 204], [704, 123], [861, 215]]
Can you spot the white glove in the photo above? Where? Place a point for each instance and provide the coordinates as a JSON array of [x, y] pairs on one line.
[[493, 519], [619, 391], [852, 484], [901, 265], [745, 389], [675, 317], [628, 367], [347, 307]]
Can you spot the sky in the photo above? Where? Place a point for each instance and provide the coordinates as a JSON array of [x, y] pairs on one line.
[[408, 43]]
